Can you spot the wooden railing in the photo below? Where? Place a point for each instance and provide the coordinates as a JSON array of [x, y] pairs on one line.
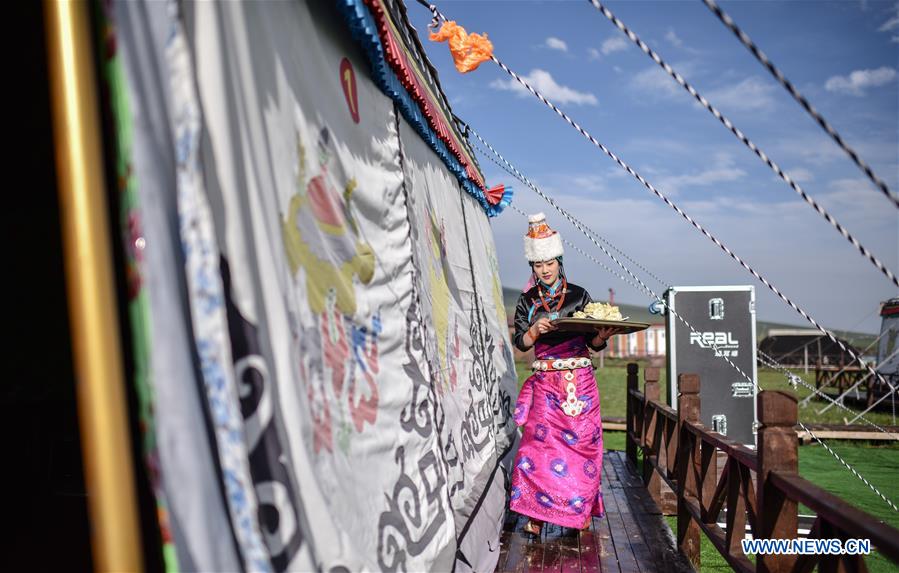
[[760, 488]]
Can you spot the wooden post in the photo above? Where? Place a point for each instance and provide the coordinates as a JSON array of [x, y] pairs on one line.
[[778, 450], [651, 477], [671, 440], [689, 463], [632, 425]]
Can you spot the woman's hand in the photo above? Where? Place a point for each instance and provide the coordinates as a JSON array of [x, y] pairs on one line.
[[539, 328], [602, 335]]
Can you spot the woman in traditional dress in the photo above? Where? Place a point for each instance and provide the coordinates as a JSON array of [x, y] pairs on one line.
[[559, 463]]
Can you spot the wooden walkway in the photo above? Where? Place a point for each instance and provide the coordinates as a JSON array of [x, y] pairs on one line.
[[631, 537]]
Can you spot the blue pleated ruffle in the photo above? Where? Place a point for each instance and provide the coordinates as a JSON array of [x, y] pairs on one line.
[[364, 30]]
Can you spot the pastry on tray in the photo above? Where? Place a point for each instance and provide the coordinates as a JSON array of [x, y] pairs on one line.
[[598, 315]]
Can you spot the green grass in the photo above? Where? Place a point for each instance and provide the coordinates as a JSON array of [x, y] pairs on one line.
[[879, 464], [613, 440]]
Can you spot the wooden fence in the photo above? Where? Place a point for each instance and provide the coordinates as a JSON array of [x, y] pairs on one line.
[[760, 488]]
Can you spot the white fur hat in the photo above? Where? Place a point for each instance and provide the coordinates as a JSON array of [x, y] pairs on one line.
[[541, 243]]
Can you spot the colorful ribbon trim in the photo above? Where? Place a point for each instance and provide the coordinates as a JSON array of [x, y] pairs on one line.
[[367, 20]]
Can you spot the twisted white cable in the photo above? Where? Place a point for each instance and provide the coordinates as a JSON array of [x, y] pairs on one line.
[[788, 85], [511, 169], [746, 141]]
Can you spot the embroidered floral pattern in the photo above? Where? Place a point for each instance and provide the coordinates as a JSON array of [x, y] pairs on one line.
[[540, 432], [526, 464], [590, 469], [588, 403], [544, 499], [577, 504], [570, 437], [559, 467], [519, 414]]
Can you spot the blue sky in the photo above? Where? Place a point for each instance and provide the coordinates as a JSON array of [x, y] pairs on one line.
[[841, 55]]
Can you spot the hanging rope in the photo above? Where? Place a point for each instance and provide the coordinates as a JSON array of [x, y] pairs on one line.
[[849, 467], [769, 361], [580, 227], [763, 59], [681, 212], [588, 229], [689, 219], [752, 146], [623, 254], [509, 168], [582, 252], [521, 178], [512, 170]]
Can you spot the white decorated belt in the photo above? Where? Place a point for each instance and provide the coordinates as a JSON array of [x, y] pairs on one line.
[[561, 364], [571, 405]]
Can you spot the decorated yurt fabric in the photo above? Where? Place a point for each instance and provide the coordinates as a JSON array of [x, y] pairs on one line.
[[328, 357]]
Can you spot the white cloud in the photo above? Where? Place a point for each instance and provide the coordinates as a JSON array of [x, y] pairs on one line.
[[580, 184], [859, 80], [862, 209], [721, 171], [676, 41], [556, 44], [654, 145], [819, 153], [890, 24], [800, 175], [588, 183], [593, 53], [543, 82], [816, 150], [655, 81], [751, 94], [614, 44], [673, 39]]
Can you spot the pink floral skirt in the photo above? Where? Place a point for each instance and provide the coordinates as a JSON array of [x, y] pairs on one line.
[[558, 469]]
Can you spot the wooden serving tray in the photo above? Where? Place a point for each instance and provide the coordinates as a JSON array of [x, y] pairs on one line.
[[591, 325]]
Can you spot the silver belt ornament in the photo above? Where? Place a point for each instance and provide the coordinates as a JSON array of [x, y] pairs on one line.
[[572, 406], [561, 364]]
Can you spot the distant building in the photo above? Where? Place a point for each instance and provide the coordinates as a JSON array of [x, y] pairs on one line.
[[798, 347], [646, 343]]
